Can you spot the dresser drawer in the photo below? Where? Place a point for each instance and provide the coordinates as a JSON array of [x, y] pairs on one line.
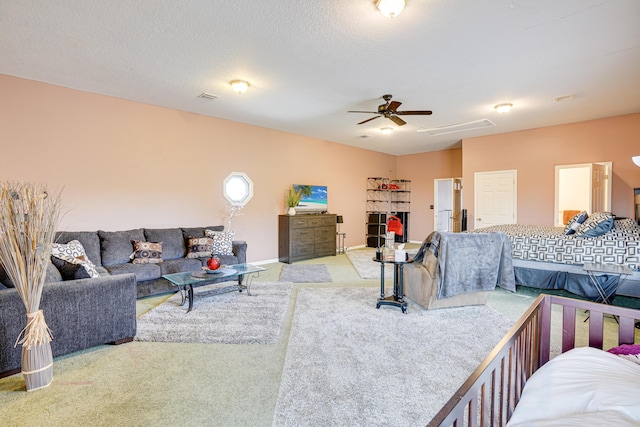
[[325, 234], [325, 248], [300, 250], [299, 223], [303, 235]]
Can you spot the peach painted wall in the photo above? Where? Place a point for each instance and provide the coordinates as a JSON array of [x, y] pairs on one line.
[[124, 164], [422, 169], [534, 154]]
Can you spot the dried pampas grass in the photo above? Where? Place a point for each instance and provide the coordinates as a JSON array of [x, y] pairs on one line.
[[29, 217]]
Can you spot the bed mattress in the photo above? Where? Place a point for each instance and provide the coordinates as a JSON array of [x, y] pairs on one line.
[[621, 245]]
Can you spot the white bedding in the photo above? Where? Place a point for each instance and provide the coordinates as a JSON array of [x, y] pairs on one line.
[[584, 386]]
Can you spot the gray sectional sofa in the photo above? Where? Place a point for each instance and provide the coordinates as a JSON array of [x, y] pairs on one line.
[[87, 312]]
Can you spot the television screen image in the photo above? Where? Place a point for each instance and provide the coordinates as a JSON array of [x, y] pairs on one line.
[[314, 198]]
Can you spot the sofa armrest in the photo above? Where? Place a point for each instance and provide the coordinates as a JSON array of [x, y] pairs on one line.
[[239, 248], [80, 313]]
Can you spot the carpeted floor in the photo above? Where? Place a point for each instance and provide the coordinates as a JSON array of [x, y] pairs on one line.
[[377, 367], [305, 273], [219, 316]]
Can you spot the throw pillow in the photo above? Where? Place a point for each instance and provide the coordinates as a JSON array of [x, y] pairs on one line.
[[596, 225], [199, 247], [575, 222], [222, 241], [146, 252], [73, 254], [627, 351]]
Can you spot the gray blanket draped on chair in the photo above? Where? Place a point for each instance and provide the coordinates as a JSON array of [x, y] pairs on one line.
[[470, 262]]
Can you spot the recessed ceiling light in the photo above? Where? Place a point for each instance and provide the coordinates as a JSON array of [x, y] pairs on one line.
[[386, 130], [503, 108], [239, 86]]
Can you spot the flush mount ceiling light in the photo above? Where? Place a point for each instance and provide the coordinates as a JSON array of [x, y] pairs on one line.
[[239, 86], [386, 130], [503, 108], [636, 160], [390, 8]]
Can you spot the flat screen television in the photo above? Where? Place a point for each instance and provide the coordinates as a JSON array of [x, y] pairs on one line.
[[314, 198]]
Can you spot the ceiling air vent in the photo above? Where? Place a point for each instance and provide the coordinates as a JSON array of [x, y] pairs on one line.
[[459, 127], [205, 95]]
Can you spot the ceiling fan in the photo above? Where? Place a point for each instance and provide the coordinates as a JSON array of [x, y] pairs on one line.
[[390, 111]]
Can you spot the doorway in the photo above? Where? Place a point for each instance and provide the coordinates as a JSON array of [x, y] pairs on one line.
[[581, 187], [495, 198], [447, 212]]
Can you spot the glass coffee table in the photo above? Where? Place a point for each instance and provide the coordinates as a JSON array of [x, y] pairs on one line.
[[187, 280]]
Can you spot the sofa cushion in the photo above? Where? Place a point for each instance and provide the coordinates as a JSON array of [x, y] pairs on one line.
[[53, 274], [142, 271], [179, 265], [71, 258], [173, 243], [90, 242], [146, 252], [222, 241], [199, 247], [199, 231], [115, 246]]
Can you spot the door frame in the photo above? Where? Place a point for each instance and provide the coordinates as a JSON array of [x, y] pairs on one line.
[[514, 173], [556, 196]]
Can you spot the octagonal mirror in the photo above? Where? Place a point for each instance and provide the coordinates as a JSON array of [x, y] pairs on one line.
[[238, 188]]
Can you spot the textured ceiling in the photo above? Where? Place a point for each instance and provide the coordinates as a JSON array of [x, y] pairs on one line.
[[309, 62]]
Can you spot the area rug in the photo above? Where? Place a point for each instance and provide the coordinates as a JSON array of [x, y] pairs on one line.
[[348, 363], [305, 273], [219, 316], [367, 268]]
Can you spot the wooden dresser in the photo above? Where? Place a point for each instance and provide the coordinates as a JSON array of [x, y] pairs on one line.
[[306, 236]]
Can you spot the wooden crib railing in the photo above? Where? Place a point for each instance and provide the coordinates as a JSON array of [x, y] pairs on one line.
[[489, 396]]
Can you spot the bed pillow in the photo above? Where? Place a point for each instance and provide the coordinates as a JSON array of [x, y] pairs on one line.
[[222, 241], [72, 261], [596, 225], [575, 222], [146, 252], [199, 247], [627, 351]]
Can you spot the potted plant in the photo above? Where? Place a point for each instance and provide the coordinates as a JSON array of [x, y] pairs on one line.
[[293, 198]]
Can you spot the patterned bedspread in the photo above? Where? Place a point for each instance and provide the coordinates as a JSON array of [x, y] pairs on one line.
[[621, 245]]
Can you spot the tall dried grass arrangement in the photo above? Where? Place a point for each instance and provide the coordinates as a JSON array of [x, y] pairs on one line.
[[29, 217]]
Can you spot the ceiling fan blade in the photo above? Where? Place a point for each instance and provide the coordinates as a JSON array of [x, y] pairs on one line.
[[397, 120], [414, 113], [368, 112], [393, 106], [368, 120]]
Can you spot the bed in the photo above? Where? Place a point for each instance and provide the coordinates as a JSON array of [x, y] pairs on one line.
[[521, 372], [547, 258]]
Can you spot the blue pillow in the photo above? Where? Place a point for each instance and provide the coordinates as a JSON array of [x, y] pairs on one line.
[[575, 222], [596, 225]]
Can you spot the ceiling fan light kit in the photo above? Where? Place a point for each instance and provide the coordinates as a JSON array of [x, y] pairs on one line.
[[239, 86], [636, 160], [503, 108], [386, 130], [390, 8]]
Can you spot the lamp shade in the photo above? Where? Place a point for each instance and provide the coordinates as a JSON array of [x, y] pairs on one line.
[[339, 219], [636, 160]]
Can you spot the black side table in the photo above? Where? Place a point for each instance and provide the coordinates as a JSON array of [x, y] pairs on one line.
[[397, 299]]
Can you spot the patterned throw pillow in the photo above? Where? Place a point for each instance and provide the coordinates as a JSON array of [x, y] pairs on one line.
[[596, 225], [627, 351], [222, 241], [146, 252], [66, 256], [575, 222], [199, 247]]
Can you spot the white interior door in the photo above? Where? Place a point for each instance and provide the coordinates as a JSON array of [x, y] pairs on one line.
[[599, 183], [495, 198], [443, 204]]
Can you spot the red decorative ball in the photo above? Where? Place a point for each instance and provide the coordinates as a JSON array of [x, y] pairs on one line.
[[213, 263]]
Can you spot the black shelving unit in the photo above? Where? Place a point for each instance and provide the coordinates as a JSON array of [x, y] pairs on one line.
[[387, 197]]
